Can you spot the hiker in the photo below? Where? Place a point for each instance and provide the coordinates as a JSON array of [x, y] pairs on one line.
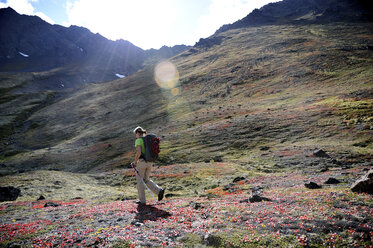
[[144, 168]]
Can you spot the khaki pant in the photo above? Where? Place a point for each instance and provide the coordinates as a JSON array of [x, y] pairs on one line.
[[144, 170]]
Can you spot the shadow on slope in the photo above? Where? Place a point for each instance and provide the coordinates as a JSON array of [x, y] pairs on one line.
[[89, 127]]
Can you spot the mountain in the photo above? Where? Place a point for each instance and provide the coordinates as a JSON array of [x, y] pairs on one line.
[[264, 97], [29, 44], [156, 55], [306, 12], [263, 131], [41, 63]]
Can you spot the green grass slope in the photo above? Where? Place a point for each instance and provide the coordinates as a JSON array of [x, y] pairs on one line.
[[286, 89], [261, 96]]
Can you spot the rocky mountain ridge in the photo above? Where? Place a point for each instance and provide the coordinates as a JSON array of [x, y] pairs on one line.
[[306, 12], [29, 44]]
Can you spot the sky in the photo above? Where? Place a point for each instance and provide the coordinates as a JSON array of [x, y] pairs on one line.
[[145, 23]]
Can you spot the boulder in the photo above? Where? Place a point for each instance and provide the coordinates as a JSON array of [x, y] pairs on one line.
[[332, 180], [264, 148], [51, 204], [237, 179], [364, 184], [258, 198], [218, 159], [41, 197], [320, 153], [9, 193], [312, 185]]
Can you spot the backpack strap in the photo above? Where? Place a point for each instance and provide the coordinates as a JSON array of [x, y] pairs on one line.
[[143, 155]]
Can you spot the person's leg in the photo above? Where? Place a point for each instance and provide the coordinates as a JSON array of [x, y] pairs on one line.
[[151, 185], [141, 167]]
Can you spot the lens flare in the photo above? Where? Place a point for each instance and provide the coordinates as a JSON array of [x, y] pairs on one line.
[[175, 91], [166, 75]]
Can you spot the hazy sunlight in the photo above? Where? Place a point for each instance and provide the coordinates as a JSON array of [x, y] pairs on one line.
[[167, 76]]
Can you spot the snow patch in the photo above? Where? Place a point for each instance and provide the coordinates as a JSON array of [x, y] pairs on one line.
[[119, 75], [23, 54]]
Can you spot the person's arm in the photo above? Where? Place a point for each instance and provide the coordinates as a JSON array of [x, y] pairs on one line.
[[138, 155]]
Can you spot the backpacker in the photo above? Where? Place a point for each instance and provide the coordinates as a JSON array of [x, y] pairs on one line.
[[151, 142]]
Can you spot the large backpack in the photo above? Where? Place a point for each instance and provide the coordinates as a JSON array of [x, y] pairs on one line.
[[151, 142]]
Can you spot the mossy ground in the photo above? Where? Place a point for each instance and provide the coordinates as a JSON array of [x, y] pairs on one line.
[[219, 215], [256, 106]]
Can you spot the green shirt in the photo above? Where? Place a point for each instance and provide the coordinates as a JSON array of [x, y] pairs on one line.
[[140, 142]]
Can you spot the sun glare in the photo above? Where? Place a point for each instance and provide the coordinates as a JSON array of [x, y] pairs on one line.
[[167, 76], [141, 22]]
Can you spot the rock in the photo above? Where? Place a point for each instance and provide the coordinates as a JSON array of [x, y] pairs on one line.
[[218, 159], [137, 223], [9, 193], [312, 185], [213, 240], [51, 204], [264, 148], [237, 179], [334, 161], [332, 180], [364, 184], [41, 197], [209, 42], [320, 153], [258, 198], [195, 205], [255, 198], [228, 187], [232, 190], [258, 190]]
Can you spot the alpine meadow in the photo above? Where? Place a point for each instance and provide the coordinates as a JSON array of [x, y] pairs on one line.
[[265, 127]]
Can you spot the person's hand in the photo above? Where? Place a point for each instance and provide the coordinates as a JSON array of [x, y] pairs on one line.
[[133, 164]]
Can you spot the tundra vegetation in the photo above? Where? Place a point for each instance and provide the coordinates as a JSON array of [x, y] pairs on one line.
[[253, 115]]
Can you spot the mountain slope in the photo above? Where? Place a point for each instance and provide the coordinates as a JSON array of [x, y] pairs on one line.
[[246, 117], [305, 12], [42, 63], [45, 46], [265, 97], [29, 44]]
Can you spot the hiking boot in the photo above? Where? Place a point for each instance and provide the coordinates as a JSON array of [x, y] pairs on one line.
[[160, 195]]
